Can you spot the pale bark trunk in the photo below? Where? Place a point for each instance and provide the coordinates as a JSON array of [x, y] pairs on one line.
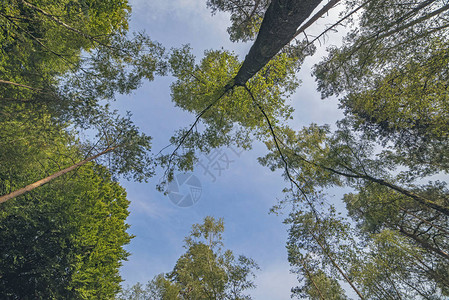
[[19, 85], [45, 180], [338, 267]]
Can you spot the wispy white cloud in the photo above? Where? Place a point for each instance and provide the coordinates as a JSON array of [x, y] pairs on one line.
[[183, 10], [151, 209], [274, 282], [178, 22], [146, 201]]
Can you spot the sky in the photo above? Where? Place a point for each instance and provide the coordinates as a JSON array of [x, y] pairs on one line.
[[234, 187]]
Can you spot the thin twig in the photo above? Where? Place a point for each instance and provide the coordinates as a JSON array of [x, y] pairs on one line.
[[315, 17], [197, 119], [339, 22], [286, 166]]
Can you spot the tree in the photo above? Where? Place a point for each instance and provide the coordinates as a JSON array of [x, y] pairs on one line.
[[117, 136], [319, 160], [229, 116], [399, 104], [65, 239], [278, 29], [390, 102], [54, 78], [205, 271], [42, 61], [407, 108], [391, 75]]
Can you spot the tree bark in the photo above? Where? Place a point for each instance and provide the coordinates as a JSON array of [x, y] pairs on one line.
[[348, 280], [19, 85], [315, 18], [311, 278], [47, 179], [279, 25]]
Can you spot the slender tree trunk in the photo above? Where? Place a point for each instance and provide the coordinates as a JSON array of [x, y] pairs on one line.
[[424, 267], [18, 84], [424, 201], [309, 275], [414, 288], [422, 243], [279, 25], [338, 267], [45, 180]]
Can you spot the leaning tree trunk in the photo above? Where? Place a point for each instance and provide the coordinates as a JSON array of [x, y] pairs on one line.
[[279, 25], [45, 180]]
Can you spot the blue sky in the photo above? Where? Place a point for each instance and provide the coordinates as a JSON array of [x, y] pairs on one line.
[[242, 194]]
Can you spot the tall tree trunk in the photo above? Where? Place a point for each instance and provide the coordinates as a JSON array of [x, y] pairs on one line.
[[279, 25], [348, 280], [45, 180], [424, 201], [19, 85], [309, 275]]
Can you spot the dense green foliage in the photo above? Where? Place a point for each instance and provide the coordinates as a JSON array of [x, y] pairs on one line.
[[63, 240], [70, 55], [36, 47], [58, 59], [62, 59]]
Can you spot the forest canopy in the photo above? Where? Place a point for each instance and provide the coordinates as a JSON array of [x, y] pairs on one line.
[[63, 149]]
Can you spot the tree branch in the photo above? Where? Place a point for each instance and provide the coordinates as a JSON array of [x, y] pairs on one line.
[[339, 22], [197, 119], [20, 85], [47, 179], [315, 17]]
